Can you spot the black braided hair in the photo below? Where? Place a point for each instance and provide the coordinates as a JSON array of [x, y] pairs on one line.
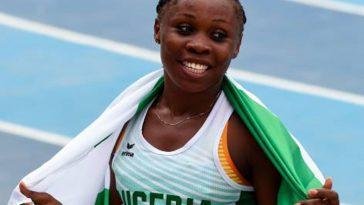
[[238, 8]]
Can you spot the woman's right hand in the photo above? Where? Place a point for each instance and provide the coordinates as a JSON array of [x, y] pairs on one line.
[[38, 198], [326, 195]]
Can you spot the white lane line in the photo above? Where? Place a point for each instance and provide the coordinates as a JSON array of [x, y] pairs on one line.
[[34, 134], [334, 5], [298, 87], [153, 56], [79, 38]]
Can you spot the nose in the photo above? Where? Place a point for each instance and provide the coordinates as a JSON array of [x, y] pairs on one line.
[[199, 44]]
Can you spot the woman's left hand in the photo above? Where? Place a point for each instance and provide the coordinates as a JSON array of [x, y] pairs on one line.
[[38, 198], [323, 196]]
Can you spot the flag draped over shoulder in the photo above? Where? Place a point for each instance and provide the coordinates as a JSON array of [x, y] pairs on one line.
[[79, 173]]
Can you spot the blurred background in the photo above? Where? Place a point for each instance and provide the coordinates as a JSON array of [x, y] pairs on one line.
[[62, 62]]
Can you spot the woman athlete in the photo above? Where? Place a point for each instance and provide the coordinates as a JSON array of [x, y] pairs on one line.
[[198, 39]]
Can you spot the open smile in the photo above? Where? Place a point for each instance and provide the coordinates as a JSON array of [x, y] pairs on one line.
[[195, 68]]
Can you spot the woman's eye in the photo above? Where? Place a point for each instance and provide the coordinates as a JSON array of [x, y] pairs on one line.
[[185, 29], [219, 36]]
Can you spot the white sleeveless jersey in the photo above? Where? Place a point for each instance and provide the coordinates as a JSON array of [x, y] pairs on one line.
[[200, 172]]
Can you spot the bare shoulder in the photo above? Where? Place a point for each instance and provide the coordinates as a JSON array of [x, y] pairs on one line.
[[241, 143]]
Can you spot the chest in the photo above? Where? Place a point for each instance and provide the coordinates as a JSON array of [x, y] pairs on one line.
[[168, 137]]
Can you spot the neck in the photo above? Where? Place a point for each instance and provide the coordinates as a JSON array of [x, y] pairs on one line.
[[179, 102]]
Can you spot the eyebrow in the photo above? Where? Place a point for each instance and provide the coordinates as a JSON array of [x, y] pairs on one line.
[[220, 20], [188, 15], [191, 16]]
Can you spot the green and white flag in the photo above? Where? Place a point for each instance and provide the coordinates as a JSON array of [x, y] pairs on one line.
[[79, 173]]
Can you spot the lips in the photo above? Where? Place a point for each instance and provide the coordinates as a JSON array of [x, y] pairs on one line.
[[196, 68]]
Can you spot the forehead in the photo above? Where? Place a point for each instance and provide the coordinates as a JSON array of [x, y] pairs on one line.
[[218, 9]]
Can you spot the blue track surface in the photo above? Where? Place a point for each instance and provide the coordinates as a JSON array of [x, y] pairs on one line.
[[358, 2], [61, 87], [57, 86]]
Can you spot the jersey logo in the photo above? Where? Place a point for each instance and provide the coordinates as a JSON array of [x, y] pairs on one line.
[[128, 153], [129, 146]]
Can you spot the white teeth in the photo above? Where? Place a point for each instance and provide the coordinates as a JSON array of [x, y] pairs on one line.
[[195, 67]]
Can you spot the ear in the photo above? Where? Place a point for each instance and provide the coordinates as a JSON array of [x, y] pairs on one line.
[[157, 27]]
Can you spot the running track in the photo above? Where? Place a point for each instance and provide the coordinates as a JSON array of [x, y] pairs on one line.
[[59, 85]]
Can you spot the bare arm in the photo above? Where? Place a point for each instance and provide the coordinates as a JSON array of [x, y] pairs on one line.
[[252, 163]]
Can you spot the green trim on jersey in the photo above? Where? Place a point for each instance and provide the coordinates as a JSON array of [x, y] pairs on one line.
[[246, 198], [151, 198]]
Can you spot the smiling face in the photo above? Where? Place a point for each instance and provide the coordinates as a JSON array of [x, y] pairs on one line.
[[198, 39]]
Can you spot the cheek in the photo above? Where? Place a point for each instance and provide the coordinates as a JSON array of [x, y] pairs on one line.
[[171, 48], [224, 54]]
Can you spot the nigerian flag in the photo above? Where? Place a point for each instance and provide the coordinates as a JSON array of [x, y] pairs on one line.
[[79, 174]]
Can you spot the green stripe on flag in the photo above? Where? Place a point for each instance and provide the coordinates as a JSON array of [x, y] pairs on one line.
[[103, 197], [148, 98], [276, 142]]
